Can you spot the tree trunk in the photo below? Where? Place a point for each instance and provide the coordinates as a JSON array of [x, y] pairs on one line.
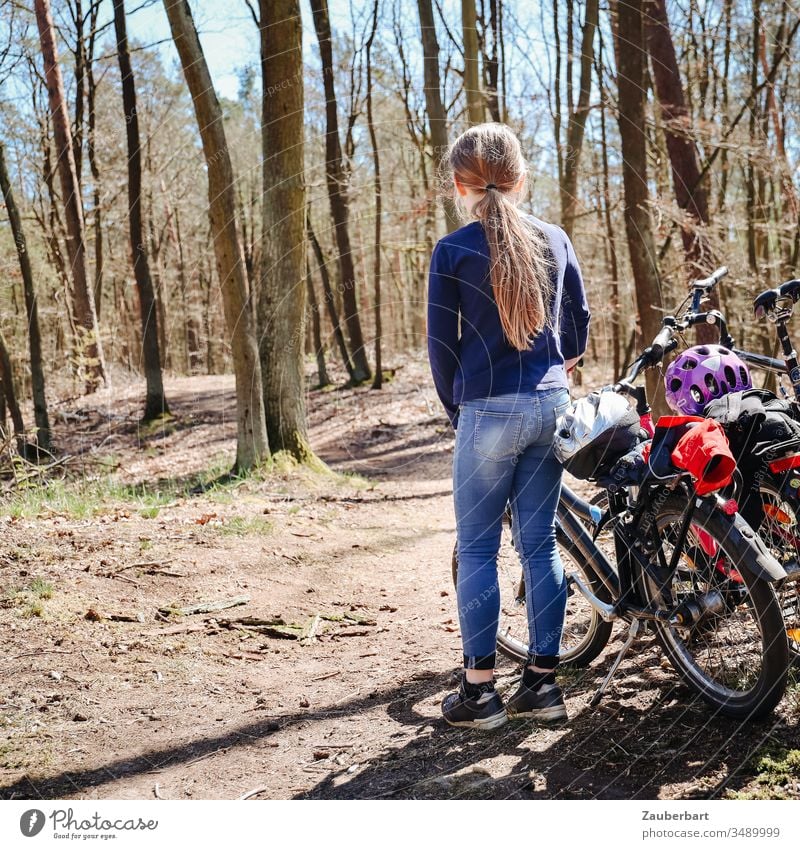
[[7, 378], [330, 303], [90, 350], [750, 174], [690, 190], [31, 309], [632, 87], [791, 205], [337, 194], [155, 401], [316, 327], [609, 226], [437, 119], [577, 122], [472, 86], [80, 88], [491, 62], [91, 149], [252, 446], [377, 382], [556, 109], [281, 302]]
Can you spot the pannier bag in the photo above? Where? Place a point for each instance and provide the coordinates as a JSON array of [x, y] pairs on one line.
[[754, 421], [595, 432]]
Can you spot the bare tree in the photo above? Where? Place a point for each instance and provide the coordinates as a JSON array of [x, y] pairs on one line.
[[377, 381], [337, 195], [155, 401], [89, 347], [31, 309], [251, 446], [282, 297], [576, 125], [632, 86], [433, 98], [472, 86], [328, 298], [690, 190]]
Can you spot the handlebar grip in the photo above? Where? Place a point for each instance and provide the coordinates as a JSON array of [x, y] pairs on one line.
[[659, 344], [712, 280], [719, 273]]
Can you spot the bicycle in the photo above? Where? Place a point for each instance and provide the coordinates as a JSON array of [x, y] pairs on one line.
[[688, 566], [777, 514]]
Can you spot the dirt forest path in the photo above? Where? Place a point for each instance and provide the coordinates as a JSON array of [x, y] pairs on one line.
[[106, 692]]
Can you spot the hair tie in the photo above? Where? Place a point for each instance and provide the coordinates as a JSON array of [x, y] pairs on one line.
[[489, 186]]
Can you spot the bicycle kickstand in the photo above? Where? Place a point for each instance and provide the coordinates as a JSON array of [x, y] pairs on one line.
[[633, 632]]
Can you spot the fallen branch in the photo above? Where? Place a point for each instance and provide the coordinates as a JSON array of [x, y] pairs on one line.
[[323, 677], [123, 578], [360, 620], [251, 793], [206, 606], [269, 627], [127, 617], [251, 621]]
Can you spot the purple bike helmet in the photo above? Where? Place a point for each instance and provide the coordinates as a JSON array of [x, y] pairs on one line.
[[700, 374]]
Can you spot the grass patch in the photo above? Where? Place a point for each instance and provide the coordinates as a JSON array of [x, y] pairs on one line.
[[40, 588], [32, 610], [777, 771], [87, 497], [243, 526], [353, 479], [29, 599]]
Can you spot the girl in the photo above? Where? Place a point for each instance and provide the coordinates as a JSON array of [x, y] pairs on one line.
[[507, 318]]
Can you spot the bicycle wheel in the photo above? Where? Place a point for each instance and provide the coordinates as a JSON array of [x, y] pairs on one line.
[[735, 654], [780, 530], [585, 633]]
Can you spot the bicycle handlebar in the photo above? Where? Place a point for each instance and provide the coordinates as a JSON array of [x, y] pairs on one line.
[[665, 340], [712, 280]]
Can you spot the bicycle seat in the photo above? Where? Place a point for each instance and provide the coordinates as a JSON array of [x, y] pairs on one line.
[[765, 302], [790, 289]]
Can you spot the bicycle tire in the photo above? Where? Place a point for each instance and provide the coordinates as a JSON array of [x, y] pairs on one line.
[[748, 592], [591, 637], [780, 530]]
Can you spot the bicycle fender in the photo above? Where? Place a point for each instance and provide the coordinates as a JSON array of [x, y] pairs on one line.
[[764, 564]]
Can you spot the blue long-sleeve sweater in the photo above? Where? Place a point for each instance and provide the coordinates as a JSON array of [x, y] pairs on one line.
[[479, 362]]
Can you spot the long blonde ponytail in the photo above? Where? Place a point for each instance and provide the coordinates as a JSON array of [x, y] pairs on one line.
[[487, 158]]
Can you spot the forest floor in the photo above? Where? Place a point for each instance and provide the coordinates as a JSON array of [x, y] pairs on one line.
[[107, 692]]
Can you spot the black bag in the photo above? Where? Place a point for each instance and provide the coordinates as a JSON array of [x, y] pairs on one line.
[[754, 420]]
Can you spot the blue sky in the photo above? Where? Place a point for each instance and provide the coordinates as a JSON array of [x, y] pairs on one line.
[[227, 33]]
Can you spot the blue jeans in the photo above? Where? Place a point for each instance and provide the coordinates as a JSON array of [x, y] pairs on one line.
[[504, 453]]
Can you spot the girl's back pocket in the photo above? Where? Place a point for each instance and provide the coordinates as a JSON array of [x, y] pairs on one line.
[[497, 434]]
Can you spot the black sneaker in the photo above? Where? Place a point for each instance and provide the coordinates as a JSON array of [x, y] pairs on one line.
[[474, 706], [543, 701]]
